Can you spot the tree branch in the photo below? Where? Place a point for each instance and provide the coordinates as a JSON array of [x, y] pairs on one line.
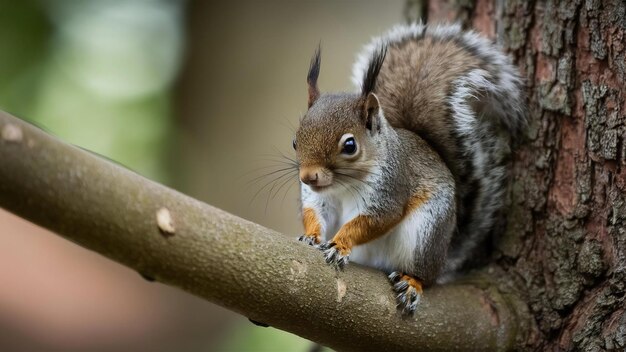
[[242, 266]]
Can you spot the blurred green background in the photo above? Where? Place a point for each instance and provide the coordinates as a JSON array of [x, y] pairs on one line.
[[193, 94]]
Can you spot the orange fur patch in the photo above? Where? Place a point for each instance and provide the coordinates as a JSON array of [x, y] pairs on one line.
[[312, 226], [364, 228], [359, 230], [413, 282], [416, 201]]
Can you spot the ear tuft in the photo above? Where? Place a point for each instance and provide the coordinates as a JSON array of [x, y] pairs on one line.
[[314, 72], [373, 69]]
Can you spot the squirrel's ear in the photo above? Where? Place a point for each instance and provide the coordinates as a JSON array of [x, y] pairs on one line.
[[311, 79], [371, 112]]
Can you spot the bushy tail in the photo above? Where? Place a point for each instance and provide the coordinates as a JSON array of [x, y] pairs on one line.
[[486, 110], [488, 107]]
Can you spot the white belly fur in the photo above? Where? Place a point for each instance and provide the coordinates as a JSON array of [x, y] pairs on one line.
[[393, 251]]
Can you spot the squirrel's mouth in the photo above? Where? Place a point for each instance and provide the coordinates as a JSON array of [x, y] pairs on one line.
[[319, 188]]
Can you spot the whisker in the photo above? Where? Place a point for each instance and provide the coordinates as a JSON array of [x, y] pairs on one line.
[[364, 171], [280, 157], [271, 182], [282, 185], [259, 178], [285, 156], [358, 192], [251, 172], [357, 179], [278, 179], [273, 178], [279, 160], [282, 201], [289, 125], [285, 182], [352, 193]]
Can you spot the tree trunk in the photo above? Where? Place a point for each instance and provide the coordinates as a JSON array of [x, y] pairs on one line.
[[565, 244]]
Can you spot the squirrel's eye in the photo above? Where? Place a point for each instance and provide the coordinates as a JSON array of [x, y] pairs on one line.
[[349, 146], [294, 144]]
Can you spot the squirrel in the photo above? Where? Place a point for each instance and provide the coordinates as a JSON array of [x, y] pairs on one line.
[[408, 174]]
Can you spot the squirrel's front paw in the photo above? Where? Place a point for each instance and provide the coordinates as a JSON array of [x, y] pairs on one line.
[[335, 254], [409, 291], [311, 240]]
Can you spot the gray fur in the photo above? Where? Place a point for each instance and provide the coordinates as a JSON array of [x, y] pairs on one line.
[[450, 103], [486, 109]]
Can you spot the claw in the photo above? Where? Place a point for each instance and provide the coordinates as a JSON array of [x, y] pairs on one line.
[[310, 240], [394, 277], [409, 291], [326, 245], [332, 255], [401, 286]]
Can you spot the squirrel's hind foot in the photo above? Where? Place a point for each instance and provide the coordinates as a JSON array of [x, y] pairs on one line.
[[408, 290]]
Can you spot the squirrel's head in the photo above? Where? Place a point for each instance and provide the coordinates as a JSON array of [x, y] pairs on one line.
[[337, 140]]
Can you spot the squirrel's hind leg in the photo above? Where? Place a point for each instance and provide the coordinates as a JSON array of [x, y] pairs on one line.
[[408, 290]]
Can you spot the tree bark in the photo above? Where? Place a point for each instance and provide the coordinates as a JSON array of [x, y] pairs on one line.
[[565, 245], [242, 266]]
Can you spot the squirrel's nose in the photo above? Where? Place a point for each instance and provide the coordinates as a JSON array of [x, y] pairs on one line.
[[309, 177], [316, 176]]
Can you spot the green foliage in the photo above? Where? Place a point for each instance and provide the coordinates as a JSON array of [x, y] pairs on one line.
[[251, 338], [94, 74], [23, 44]]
